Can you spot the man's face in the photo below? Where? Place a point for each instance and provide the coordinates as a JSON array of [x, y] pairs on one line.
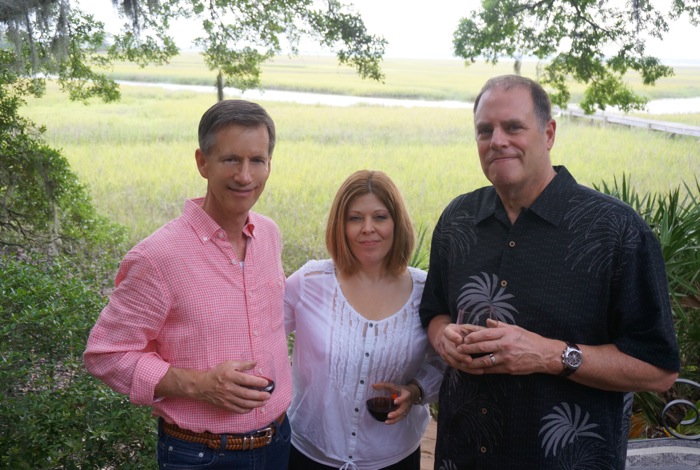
[[236, 168], [513, 150]]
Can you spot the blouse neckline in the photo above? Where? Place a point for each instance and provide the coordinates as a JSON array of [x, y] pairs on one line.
[[362, 317]]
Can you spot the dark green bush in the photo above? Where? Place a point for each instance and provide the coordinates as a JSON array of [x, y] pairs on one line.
[[53, 413], [675, 219], [58, 254], [43, 206]]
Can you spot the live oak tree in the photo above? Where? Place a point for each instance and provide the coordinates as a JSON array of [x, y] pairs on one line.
[[54, 38], [239, 35], [595, 42]]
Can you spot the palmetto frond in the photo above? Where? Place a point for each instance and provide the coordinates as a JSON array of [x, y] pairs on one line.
[[485, 297], [589, 454], [457, 234], [565, 425], [448, 465], [598, 231]]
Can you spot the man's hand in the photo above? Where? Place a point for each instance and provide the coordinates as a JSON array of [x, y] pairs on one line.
[[501, 348], [446, 338], [508, 349], [226, 386]]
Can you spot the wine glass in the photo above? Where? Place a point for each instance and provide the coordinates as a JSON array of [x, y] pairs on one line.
[[264, 367], [381, 403], [463, 316]]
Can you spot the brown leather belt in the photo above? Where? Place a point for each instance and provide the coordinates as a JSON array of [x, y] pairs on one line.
[[253, 440]]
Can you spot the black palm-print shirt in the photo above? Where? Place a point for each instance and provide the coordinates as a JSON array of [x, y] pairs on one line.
[[577, 266]]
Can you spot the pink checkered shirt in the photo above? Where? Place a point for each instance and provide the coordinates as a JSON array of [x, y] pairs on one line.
[[182, 299]]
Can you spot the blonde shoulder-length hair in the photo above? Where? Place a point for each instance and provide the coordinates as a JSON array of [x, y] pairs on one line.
[[361, 183]]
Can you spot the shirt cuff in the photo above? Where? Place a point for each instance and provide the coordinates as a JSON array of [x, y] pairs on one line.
[[149, 371]]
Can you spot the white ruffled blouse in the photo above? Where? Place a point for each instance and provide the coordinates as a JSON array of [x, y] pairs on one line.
[[338, 355]]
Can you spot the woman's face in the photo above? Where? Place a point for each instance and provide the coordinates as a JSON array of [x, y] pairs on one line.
[[369, 229]]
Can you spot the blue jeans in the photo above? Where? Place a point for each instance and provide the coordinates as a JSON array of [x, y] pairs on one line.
[[175, 453]]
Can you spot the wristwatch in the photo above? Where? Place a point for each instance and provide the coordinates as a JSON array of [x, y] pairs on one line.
[[421, 394], [571, 358]]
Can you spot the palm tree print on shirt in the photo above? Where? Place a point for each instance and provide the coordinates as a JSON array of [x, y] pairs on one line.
[[457, 234], [484, 298], [564, 426], [599, 232]]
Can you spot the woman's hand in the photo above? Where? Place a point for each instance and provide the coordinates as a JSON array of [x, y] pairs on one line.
[[403, 395]]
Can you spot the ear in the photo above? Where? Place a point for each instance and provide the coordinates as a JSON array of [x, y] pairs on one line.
[[201, 160], [550, 132]]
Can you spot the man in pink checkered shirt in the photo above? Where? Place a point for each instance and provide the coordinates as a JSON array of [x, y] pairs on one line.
[[197, 311]]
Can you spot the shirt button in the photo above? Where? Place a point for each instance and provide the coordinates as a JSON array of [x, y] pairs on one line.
[[371, 325], [483, 450], [511, 244], [366, 354], [354, 434], [362, 382], [262, 409], [484, 411], [204, 239], [222, 234], [357, 410], [233, 261], [504, 283], [256, 333]]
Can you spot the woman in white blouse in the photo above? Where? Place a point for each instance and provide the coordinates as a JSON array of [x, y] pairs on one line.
[[357, 330]]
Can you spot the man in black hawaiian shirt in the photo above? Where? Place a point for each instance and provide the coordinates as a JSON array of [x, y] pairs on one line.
[[563, 297]]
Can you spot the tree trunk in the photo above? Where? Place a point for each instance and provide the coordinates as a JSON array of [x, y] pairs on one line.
[[220, 86]]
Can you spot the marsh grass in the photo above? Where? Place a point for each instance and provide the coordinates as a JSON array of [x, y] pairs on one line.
[[445, 79], [137, 157]]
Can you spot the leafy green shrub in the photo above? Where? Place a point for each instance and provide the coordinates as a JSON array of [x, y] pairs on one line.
[[675, 219], [44, 207], [53, 413]]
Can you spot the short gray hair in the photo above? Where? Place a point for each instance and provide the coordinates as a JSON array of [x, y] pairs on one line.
[[234, 112], [540, 98]]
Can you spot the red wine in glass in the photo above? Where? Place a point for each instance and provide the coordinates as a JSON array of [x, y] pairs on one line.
[[380, 407]]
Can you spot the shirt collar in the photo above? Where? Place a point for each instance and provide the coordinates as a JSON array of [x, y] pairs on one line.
[[550, 205], [205, 227], [491, 205]]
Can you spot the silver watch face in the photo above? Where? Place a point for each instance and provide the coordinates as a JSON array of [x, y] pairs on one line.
[[572, 358]]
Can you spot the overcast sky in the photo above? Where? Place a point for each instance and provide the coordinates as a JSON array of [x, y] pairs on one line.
[[424, 28]]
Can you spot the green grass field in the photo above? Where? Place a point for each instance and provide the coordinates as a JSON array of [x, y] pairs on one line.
[[404, 78], [137, 157]]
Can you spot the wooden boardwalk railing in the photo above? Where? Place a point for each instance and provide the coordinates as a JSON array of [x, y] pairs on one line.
[[662, 126]]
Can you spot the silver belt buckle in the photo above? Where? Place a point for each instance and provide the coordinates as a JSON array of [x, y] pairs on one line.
[[267, 431]]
